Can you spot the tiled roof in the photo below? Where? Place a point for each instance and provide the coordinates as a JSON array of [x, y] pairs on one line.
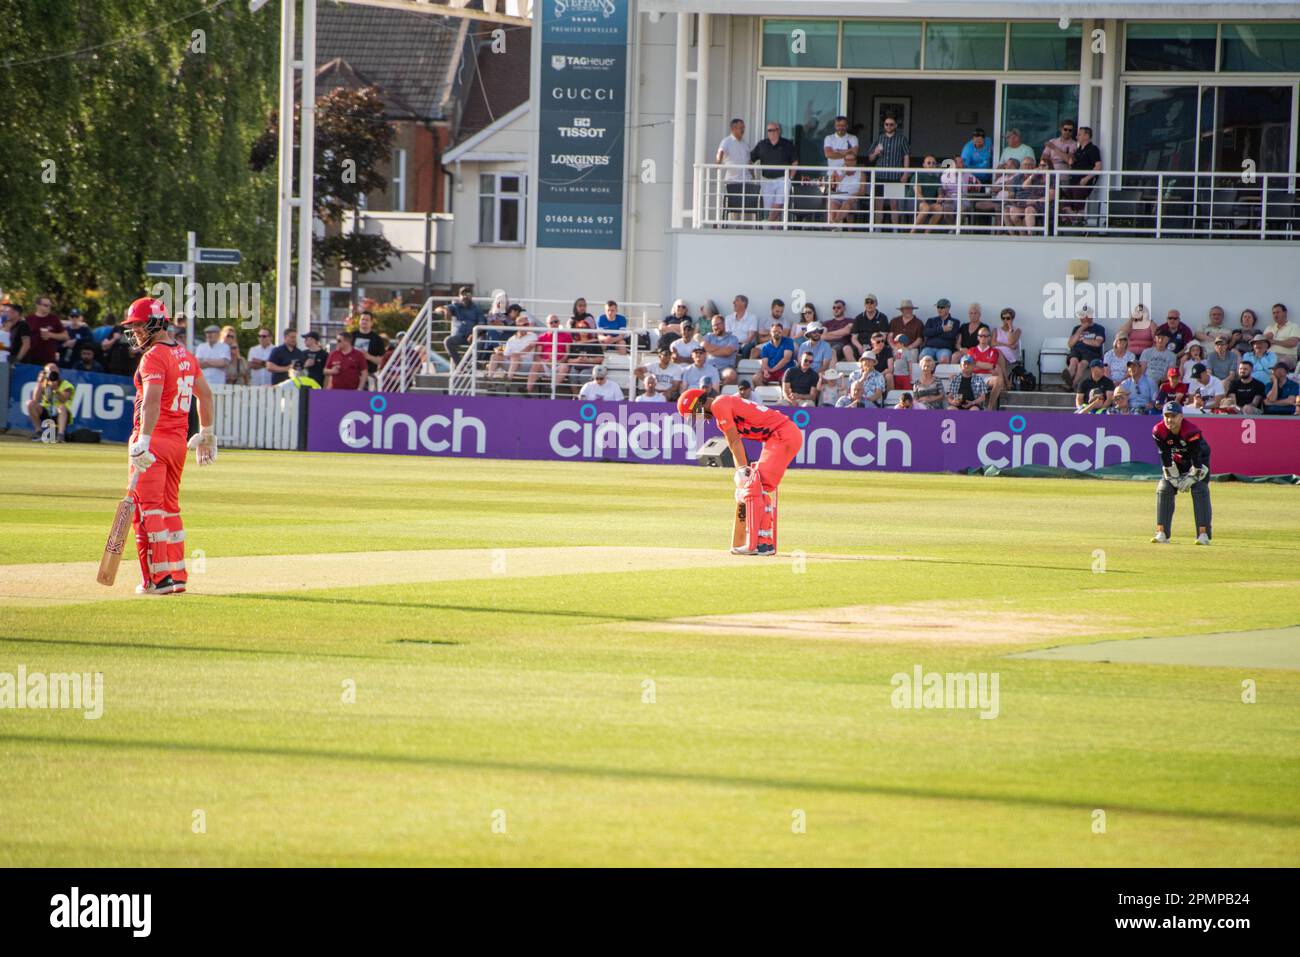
[[498, 84]]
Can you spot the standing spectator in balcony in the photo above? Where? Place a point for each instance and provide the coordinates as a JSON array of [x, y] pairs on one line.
[[734, 153], [600, 388], [931, 208], [1180, 334], [837, 329], [1085, 165], [1246, 331], [1060, 151], [868, 321], [1284, 336], [314, 357], [968, 336], [1006, 339], [872, 380], [667, 375], [742, 324], [907, 324], [515, 354], [988, 363], [823, 355], [47, 334], [464, 314], [552, 355], [1223, 360], [889, 151], [844, 186], [238, 372], [684, 345], [79, 335], [258, 356], [1193, 355], [1282, 393], [723, 350], [213, 356], [941, 334], [1246, 395], [1157, 360], [977, 155], [1117, 358], [840, 145], [967, 390], [1017, 151], [346, 368], [287, 353], [778, 159], [1139, 393], [775, 356], [670, 328], [803, 383], [928, 390], [1205, 386], [1263, 359], [1086, 342], [1213, 329], [700, 374], [611, 326]]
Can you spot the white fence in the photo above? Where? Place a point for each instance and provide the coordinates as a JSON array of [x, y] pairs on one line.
[[257, 416]]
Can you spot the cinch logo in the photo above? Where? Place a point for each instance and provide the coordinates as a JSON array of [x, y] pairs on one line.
[[579, 161], [105, 401], [103, 910], [1002, 450], [643, 435], [378, 432], [581, 93], [1113, 301], [857, 447]]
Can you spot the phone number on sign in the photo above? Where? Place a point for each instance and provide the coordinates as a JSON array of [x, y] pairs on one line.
[[580, 220]]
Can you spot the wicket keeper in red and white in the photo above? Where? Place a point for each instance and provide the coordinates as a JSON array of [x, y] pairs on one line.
[[756, 485], [166, 382]]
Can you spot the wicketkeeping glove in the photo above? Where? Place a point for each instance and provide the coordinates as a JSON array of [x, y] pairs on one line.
[[204, 444], [141, 457], [1170, 473], [1200, 473], [1184, 482]]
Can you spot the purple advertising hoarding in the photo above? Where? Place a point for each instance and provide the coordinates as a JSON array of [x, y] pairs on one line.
[[888, 440]]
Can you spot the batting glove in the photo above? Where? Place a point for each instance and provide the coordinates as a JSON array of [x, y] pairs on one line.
[[742, 476], [204, 444], [141, 457]]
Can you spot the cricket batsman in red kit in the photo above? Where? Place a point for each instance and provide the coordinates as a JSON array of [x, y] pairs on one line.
[[166, 381], [756, 485]]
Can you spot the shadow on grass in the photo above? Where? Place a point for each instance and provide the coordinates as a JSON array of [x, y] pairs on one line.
[[426, 606], [631, 774], [203, 649]]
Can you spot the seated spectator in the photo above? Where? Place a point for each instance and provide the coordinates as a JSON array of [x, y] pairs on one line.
[[1095, 379], [742, 324], [685, 344], [1213, 329], [988, 364], [1172, 388], [723, 349], [1006, 339], [239, 372], [968, 335], [745, 389], [1096, 403], [1263, 358], [515, 354], [903, 364], [600, 388], [1180, 334], [834, 387], [580, 313], [1193, 356], [941, 334], [843, 188], [1139, 393], [869, 320], [1246, 395], [551, 356], [346, 368], [823, 356], [498, 318], [1085, 166], [1282, 393], [856, 398], [931, 205], [651, 393], [1223, 360], [807, 316], [699, 374], [1086, 342], [776, 356], [836, 331], [1246, 331], [585, 353], [670, 327], [612, 325], [904, 401], [872, 379], [86, 360], [1204, 385], [977, 155], [960, 187], [775, 314], [464, 314], [667, 375], [1196, 406], [51, 402], [1117, 358], [707, 311], [1016, 149], [967, 390], [1027, 200], [879, 347], [1157, 360], [1119, 401], [803, 382], [998, 200], [928, 390], [1283, 335], [907, 323]]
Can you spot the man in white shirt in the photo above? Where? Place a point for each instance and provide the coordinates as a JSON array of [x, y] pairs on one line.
[[665, 373], [213, 356], [257, 358], [1206, 386], [651, 393], [733, 153], [839, 144], [742, 324], [600, 388], [1016, 150]]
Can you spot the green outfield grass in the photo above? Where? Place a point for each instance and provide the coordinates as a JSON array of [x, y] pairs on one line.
[[526, 694]]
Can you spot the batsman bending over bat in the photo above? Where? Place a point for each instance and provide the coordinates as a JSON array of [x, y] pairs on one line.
[[756, 485], [166, 382], [1185, 457]]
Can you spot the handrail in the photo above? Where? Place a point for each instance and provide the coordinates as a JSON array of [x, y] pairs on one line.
[[398, 375], [467, 380]]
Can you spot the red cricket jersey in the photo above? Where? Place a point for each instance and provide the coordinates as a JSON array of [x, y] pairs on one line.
[[752, 421], [176, 369]]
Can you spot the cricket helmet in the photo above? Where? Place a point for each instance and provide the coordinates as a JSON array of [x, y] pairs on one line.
[[688, 403], [146, 318]]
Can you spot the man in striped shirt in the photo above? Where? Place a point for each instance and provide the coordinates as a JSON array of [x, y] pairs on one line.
[[890, 150]]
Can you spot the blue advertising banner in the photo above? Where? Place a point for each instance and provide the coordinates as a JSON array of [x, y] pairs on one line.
[[580, 146], [102, 402]]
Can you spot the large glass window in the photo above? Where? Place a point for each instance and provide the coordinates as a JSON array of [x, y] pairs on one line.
[[1170, 46], [806, 110], [965, 46], [1252, 122], [1160, 128], [1036, 110], [801, 43], [891, 45], [1045, 46], [1261, 48], [501, 208]]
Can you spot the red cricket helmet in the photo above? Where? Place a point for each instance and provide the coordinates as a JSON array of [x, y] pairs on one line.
[[146, 317], [688, 403]]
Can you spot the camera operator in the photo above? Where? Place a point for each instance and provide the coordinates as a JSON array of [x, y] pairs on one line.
[[52, 401]]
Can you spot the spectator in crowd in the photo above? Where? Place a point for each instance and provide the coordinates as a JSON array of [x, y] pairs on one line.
[[651, 393], [585, 352], [1223, 360], [776, 356], [840, 147], [612, 325], [822, 355], [314, 357], [707, 311], [699, 374], [601, 388], [370, 343], [670, 328], [284, 355], [874, 387], [51, 401], [1006, 339], [879, 347], [580, 313], [837, 329], [213, 356], [1284, 336], [1060, 151], [684, 345], [1263, 359], [1096, 403], [834, 386], [498, 318], [1246, 331], [101, 331], [968, 335], [238, 372], [9, 317], [1180, 334], [1205, 386], [889, 151], [1017, 150], [1213, 328], [777, 158], [902, 367], [1117, 358], [907, 324], [960, 187], [665, 373], [927, 190], [807, 316], [515, 355], [856, 398], [987, 362], [967, 390], [1173, 388], [87, 360], [1140, 330], [776, 313], [998, 200], [1157, 360], [927, 389], [346, 368], [1193, 355], [1028, 198], [941, 333], [745, 389], [803, 382], [844, 186], [1139, 393], [552, 361], [1085, 165], [742, 324], [723, 350], [258, 356], [1086, 342], [1282, 393], [869, 320], [79, 334], [1246, 395], [734, 153], [904, 402], [119, 357], [464, 314], [977, 155], [47, 333]]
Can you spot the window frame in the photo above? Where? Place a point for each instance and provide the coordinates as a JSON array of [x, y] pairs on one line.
[[498, 198]]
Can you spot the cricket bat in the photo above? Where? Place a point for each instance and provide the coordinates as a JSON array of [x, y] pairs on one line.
[[738, 536], [117, 536]]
